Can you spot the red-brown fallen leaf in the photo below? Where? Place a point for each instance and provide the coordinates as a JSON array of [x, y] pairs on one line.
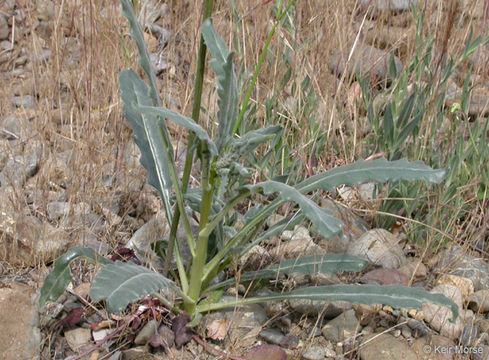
[[125, 254], [217, 329], [266, 352], [74, 317], [183, 334]]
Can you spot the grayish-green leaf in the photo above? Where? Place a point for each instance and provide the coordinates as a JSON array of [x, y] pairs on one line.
[[322, 219], [236, 167], [307, 265], [123, 283], [321, 264], [216, 45], [395, 296], [57, 281], [227, 88], [379, 170], [193, 197], [182, 121], [147, 133], [249, 141], [144, 61]]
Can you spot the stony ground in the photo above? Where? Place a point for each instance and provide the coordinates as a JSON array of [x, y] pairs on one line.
[[70, 175]]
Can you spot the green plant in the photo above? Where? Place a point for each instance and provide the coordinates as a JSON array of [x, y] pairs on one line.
[[411, 119], [223, 186]]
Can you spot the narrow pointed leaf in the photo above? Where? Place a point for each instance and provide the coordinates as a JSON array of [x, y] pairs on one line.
[[123, 283], [307, 265], [146, 133], [406, 111], [321, 264], [227, 91], [144, 62], [193, 197], [227, 88], [322, 219], [379, 170], [389, 123], [408, 130], [182, 121], [395, 296], [216, 45], [57, 281]]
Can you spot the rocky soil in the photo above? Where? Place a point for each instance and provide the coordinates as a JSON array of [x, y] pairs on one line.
[[47, 204]]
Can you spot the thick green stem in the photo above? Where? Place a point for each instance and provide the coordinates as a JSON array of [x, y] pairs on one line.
[[200, 257], [199, 80], [260, 63]]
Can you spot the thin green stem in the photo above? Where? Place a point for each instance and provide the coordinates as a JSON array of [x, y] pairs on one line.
[[260, 63], [179, 196], [216, 219], [182, 274]]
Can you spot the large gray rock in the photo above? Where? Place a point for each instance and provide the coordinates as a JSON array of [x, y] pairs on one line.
[[157, 230], [380, 247], [26, 101], [297, 243], [385, 347], [147, 235], [27, 240], [425, 346], [458, 262], [439, 316], [20, 336], [365, 60], [342, 327], [14, 127], [4, 28], [240, 320], [478, 100], [19, 168], [145, 334]]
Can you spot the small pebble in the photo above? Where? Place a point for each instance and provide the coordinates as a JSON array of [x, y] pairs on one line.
[[272, 336], [330, 353], [418, 328], [406, 331], [314, 353], [26, 101]]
